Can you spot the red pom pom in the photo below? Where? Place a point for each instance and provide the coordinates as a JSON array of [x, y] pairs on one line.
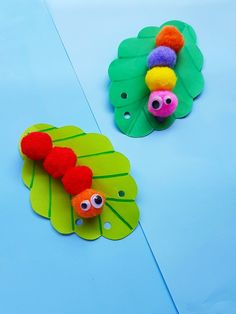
[[59, 160], [170, 37], [36, 145], [77, 179]]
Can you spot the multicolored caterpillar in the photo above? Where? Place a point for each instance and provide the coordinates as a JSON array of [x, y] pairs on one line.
[[60, 162], [160, 77]]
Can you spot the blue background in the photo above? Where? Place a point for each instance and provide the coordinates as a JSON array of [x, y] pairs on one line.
[[186, 174], [40, 270]]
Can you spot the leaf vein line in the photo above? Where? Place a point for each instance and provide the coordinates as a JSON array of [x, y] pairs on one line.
[[68, 138], [119, 216], [50, 197], [119, 200], [110, 176], [96, 154], [100, 225], [47, 129], [32, 175], [72, 215]]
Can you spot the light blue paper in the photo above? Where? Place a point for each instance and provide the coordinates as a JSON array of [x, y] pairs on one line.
[[186, 174], [42, 271]]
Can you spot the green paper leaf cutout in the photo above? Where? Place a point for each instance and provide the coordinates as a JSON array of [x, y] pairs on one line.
[[128, 92], [111, 176], [135, 47]]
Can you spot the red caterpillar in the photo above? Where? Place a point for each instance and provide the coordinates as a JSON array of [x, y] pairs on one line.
[[60, 162]]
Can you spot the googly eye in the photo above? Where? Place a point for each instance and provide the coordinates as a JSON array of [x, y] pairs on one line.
[[168, 100], [85, 205], [157, 103], [97, 201]]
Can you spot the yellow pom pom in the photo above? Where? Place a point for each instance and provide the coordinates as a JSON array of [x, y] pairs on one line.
[[160, 78]]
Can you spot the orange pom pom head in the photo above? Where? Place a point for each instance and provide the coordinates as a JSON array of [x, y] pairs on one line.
[[89, 203], [36, 145], [170, 37], [77, 179], [59, 160]]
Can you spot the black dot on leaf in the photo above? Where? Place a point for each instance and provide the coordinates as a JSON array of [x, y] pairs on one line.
[[121, 193]]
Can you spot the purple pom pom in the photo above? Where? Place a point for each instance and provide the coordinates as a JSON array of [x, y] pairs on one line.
[[162, 56]]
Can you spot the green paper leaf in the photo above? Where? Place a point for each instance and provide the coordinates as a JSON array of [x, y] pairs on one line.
[[149, 32], [126, 69], [134, 122], [185, 101], [133, 90], [110, 176], [121, 216], [135, 47], [128, 92]]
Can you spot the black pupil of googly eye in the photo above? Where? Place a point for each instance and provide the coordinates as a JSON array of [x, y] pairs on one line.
[[168, 100], [155, 104], [84, 205], [98, 200]]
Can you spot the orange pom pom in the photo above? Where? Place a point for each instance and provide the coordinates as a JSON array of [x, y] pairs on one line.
[[59, 160], [170, 37], [36, 145], [89, 203], [77, 179]]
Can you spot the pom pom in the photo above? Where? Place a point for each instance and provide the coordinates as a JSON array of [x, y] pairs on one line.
[[88, 203], [77, 179], [36, 145], [162, 56], [59, 160], [171, 37], [160, 78], [162, 103]]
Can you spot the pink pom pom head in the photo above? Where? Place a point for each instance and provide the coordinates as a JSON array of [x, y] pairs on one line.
[[162, 104]]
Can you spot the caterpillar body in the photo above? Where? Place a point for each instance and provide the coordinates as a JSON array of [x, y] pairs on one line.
[[61, 163], [161, 78]]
